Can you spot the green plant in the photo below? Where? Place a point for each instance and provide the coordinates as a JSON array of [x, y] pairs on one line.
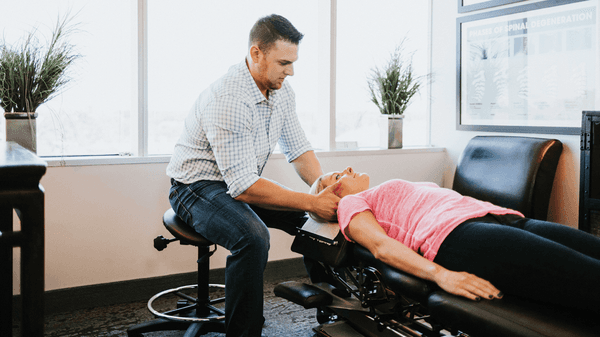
[[393, 86], [30, 74]]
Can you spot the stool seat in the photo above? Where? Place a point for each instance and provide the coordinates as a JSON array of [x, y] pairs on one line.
[[183, 231]]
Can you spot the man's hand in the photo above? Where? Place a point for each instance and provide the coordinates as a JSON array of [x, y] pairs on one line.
[[327, 202], [466, 285]]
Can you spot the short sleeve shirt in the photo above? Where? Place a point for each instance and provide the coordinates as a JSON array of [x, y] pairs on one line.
[[419, 215]]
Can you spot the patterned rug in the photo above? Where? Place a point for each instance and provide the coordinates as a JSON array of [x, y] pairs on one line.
[[283, 318]]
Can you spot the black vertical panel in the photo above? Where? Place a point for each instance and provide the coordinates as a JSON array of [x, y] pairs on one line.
[[589, 191]]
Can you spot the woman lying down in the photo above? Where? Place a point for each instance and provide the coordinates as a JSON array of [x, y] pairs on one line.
[[466, 246]]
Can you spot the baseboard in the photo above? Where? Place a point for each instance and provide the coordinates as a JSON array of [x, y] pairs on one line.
[[97, 295]]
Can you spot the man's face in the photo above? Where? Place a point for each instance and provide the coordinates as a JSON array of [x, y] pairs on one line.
[[276, 65]]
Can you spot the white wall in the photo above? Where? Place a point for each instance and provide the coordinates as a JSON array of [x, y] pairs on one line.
[[564, 201], [101, 220]]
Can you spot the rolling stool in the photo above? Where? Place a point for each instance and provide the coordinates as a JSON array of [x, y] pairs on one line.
[[201, 316]]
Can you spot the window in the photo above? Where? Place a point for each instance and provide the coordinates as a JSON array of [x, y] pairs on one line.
[[193, 43], [122, 102], [96, 113], [366, 36]]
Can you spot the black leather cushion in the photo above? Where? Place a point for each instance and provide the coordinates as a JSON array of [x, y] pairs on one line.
[[513, 172], [306, 295], [183, 231], [309, 245], [509, 316], [397, 280]]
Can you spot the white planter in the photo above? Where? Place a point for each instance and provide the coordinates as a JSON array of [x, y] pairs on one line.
[[21, 128], [391, 131]]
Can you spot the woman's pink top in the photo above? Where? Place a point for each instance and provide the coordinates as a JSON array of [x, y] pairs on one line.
[[419, 215]]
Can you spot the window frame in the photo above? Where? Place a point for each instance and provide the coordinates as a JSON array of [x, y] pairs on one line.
[[143, 156]]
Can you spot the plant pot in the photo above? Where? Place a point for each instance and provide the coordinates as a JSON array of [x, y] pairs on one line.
[[21, 128], [391, 131]]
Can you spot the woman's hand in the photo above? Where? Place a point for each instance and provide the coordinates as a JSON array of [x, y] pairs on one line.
[[466, 285]]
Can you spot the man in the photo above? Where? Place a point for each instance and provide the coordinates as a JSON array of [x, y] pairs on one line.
[[216, 167]]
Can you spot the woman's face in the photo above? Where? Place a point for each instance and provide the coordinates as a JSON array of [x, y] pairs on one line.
[[351, 182]]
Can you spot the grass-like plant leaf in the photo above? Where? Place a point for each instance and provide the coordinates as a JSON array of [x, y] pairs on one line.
[[393, 86], [30, 74]]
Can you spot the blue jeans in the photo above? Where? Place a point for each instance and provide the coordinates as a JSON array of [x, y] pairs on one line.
[[241, 229], [534, 259]]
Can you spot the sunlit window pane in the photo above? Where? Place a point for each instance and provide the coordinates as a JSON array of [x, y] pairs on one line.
[[193, 43], [367, 33], [96, 113]]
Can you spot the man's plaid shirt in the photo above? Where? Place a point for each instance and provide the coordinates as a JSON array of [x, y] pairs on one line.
[[232, 130]]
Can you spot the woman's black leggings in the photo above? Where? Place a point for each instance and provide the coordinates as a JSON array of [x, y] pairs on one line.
[[535, 259]]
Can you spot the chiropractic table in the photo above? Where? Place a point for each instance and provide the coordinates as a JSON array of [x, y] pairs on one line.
[[365, 297]]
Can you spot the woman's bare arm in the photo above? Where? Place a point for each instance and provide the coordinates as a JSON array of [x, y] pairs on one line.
[[365, 230]]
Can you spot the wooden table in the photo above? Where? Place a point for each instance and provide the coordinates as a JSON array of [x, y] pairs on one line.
[[20, 190]]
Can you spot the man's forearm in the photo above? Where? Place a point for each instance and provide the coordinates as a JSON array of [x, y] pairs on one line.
[[308, 167], [269, 195]]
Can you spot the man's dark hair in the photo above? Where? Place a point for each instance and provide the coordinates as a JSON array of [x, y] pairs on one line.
[[267, 30]]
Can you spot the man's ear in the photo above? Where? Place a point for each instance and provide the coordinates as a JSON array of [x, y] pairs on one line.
[[255, 53]]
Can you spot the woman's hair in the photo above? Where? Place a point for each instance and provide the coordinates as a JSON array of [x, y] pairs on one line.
[[267, 30], [315, 189]]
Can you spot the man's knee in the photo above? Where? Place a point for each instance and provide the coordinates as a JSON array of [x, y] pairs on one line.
[[256, 238]]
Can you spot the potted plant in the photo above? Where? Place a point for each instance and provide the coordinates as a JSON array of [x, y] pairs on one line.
[[392, 88], [31, 75]]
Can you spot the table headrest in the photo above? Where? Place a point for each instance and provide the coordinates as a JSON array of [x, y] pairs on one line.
[[512, 172]]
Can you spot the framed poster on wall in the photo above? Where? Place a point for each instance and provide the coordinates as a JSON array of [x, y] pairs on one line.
[[472, 5], [528, 69]]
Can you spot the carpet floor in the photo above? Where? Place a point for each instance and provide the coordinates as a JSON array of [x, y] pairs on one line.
[[283, 318]]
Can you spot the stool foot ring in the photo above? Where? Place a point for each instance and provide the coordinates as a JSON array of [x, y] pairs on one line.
[[214, 315]]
